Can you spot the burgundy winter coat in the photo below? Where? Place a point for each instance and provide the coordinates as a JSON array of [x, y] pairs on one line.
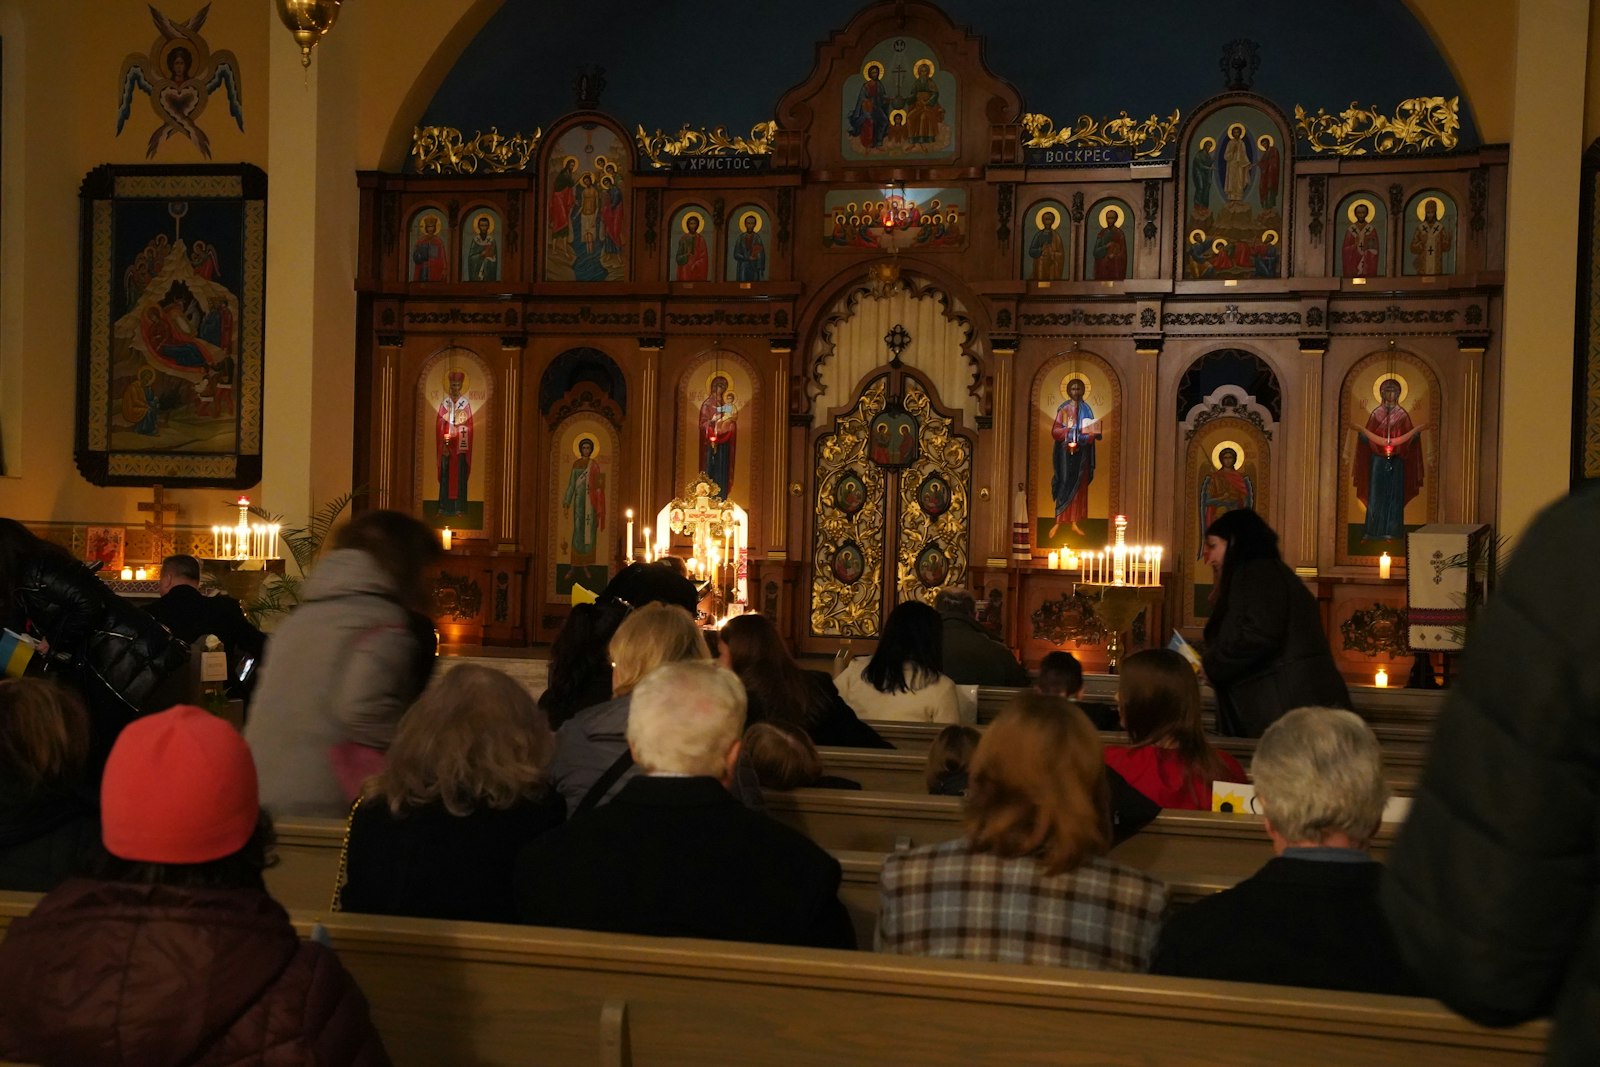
[[108, 974]]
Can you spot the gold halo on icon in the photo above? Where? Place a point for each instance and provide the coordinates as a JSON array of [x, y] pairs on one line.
[[1196, 236], [683, 223], [569, 159], [916, 68], [1208, 144], [727, 380], [1107, 210], [1399, 379], [594, 444], [869, 64], [851, 209], [482, 215], [146, 376], [1264, 142], [1076, 376], [1038, 216], [1236, 130], [1270, 237], [1217, 244], [898, 113], [1222, 446], [1372, 209], [750, 215], [465, 379], [1422, 207]]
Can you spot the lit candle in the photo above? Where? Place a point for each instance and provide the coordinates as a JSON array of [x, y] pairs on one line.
[[649, 555], [447, 538], [630, 532], [214, 540], [1383, 565], [1055, 560], [127, 574], [138, 575], [1381, 679]]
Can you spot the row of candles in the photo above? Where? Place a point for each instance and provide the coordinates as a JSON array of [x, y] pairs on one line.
[[247, 541], [1117, 565]]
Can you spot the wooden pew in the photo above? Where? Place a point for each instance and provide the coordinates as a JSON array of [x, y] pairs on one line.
[[308, 862], [1393, 714], [1179, 846], [901, 770], [488, 995]]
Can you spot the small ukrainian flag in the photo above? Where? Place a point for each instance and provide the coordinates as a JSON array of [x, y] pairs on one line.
[[15, 652]]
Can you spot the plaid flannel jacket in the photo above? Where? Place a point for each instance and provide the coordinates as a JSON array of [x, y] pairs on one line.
[[947, 900]]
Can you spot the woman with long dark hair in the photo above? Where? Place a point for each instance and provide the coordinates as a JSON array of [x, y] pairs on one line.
[[779, 690], [1265, 650], [1169, 759], [904, 680]]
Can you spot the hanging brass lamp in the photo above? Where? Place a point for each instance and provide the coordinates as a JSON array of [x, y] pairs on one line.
[[309, 21]]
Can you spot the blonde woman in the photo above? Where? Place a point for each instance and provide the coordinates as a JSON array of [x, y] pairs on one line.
[[436, 834], [592, 747], [1030, 881]]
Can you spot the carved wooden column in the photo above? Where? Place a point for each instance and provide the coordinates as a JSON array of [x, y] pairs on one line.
[[644, 416], [1469, 443], [1306, 456], [998, 479], [510, 421], [1141, 507], [385, 412], [774, 524]]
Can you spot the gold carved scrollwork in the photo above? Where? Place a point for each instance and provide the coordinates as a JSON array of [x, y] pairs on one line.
[[1420, 123], [1147, 137], [704, 142], [840, 608], [948, 455], [442, 150]]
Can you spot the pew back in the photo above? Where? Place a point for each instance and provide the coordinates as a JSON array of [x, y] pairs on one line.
[[491, 995]]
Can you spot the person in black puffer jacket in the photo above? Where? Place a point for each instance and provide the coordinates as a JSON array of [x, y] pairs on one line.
[[123, 663], [1491, 887]]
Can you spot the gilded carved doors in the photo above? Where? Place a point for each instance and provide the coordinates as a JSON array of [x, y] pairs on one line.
[[891, 506]]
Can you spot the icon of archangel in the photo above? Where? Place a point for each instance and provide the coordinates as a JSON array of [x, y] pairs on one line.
[[179, 73]]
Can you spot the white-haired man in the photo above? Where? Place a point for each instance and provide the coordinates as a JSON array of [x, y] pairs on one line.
[[675, 853], [1310, 917]]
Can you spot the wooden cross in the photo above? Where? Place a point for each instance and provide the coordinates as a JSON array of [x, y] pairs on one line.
[[160, 542]]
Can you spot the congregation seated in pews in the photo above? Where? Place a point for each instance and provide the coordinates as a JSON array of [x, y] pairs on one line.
[[651, 822]]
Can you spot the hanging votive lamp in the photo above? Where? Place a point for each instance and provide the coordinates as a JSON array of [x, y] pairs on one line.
[[309, 21]]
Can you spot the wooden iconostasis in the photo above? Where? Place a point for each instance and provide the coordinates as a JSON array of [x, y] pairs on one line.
[[909, 382]]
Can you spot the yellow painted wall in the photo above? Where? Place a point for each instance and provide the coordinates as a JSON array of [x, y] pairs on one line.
[[62, 59]]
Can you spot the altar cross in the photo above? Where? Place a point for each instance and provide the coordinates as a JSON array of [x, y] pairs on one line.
[[160, 542]]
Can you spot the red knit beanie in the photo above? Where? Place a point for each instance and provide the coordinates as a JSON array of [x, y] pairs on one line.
[[179, 787]]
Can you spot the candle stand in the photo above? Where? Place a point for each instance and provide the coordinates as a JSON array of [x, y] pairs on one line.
[[1115, 608]]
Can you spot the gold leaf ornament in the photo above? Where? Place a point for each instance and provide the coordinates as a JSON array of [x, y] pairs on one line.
[[1147, 137], [443, 150], [1418, 124], [661, 147]]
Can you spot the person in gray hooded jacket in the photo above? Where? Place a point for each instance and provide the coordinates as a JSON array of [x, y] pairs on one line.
[[343, 668]]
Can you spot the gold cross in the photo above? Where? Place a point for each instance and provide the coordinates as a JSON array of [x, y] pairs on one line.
[[160, 542]]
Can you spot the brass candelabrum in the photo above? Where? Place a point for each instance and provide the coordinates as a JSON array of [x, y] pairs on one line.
[[1115, 608]]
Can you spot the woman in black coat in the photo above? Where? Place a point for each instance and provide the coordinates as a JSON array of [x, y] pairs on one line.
[[436, 834], [1265, 650]]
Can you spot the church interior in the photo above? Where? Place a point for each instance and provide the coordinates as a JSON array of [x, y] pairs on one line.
[[913, 224], [870, 300]]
